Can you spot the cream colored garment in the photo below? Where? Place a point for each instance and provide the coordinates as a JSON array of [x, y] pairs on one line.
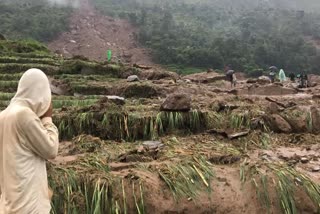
[[26, 142]]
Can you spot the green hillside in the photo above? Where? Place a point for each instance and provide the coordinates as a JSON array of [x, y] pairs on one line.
[[246, 34], [32, 19]]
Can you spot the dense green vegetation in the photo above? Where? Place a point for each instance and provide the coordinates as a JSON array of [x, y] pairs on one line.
[[32, 19], [249, 35]]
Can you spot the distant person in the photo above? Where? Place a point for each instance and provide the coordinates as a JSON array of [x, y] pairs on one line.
[[302, 80], [27, 139], [305, 77], [272, 73], [234, 79], [292, 77], [231, 77], [282, 76]]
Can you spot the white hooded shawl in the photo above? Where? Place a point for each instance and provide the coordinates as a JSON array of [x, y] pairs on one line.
[[26, 142]]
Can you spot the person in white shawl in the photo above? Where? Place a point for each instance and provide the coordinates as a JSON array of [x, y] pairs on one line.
[[27, 139]]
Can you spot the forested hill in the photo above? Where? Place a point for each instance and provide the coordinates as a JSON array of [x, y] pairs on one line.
[[33, 19], [248, 34], [251, 35]]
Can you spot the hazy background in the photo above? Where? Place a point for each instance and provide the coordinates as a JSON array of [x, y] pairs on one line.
[[251, 35]]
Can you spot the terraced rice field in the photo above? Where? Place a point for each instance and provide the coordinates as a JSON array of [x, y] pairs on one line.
[[227, 154]]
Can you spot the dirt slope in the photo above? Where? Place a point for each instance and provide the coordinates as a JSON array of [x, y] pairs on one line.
[[92, 34]]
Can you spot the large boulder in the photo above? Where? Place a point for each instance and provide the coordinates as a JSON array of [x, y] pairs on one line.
[[278, 124], [273, 108], [138, 90], [176, 102], [158, 75], [205, 77], [116, 100], [263, 80], [133, 78], [298, 119]]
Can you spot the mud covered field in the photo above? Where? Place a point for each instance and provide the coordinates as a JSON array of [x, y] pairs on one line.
[[172, 144]]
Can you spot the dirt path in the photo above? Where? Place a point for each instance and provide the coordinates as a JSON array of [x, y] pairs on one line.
[[92, 34]]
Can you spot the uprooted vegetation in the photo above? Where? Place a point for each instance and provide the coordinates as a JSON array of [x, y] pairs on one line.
[[230, 152]]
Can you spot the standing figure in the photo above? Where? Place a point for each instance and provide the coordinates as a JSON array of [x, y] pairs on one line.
[[272, 73], [231, 77], [28, 138]]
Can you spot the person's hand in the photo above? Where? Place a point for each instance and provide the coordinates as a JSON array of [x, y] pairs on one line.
[[48, 113], [50, 193]]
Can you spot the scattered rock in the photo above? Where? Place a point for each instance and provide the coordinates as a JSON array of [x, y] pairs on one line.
[[237, 135], [117, 100], [223, 106], [152, 145], [154, 74], [316, 96], [316, 169], [252, 81], [278, 124], [229, 133], [312, 84], [133, 78], [142, 66], [298, 119], [263, 80], [273, 108], [58, 88], [304, 160], [284, 105], [205, 77], [176, 102], [140, 91]]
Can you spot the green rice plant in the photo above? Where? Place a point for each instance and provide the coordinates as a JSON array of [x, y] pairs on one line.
[[48, 61], [6, 96], [10, 77], [124, 198], [263, 192], [4, 104], [159, 124], [186, 179], [65, 126], [238, 121], [243, 172], [227, 149], [84, 121], [8, 85], [95, 162], [78, 103], [13, 68], [195, 120], [288, 181], [77, 193], [310, 187], [142, 205], [265, 140], [285, 189]]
